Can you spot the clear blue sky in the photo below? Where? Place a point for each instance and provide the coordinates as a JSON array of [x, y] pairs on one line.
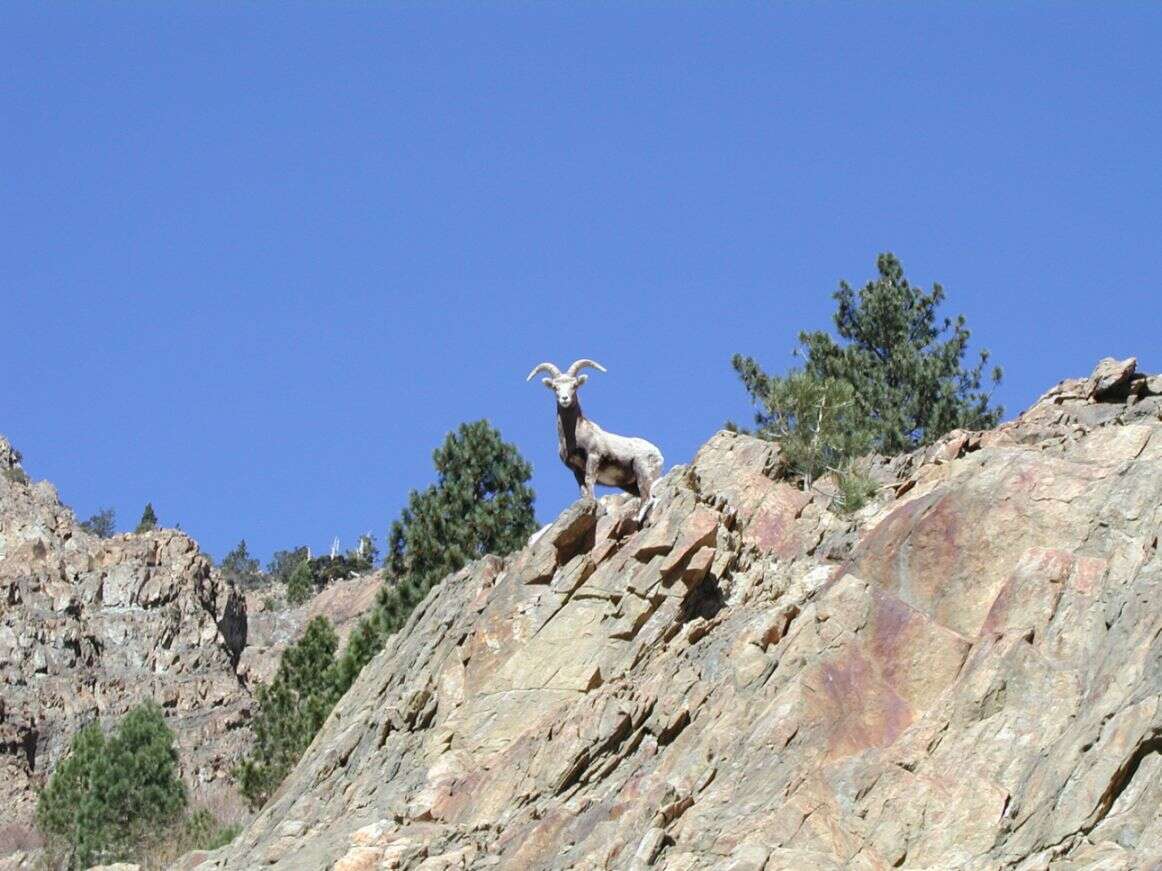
[[258, 259]]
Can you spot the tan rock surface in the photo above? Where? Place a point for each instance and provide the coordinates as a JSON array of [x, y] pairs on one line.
[[966, 674]]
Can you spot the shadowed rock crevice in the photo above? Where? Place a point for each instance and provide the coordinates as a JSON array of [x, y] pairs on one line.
[[1125, 774], [704, 601]]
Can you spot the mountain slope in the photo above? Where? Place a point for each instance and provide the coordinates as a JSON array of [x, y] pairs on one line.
[[90, 627], [966, 674]]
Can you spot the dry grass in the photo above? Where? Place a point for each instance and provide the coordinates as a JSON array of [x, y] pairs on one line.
[[14, 838]]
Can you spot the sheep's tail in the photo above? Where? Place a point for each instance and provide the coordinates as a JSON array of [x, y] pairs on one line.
[[659, 461]]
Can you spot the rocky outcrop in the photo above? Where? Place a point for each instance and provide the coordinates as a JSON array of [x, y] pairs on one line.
[[965, 674], [89, 627]]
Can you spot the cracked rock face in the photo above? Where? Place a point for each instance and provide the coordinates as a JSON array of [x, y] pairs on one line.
[[965, 674]]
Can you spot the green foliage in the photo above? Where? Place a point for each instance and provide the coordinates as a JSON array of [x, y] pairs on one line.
[[301, 585], [894, 383], [308, 576], [290, 710], [284, 562], [201, 830], [241, 568], [110, 794], [102, 524], [148, 519], [856, 488], [367, 550], [367, 638], [481, 503], [16, 475], [72, 813], [904, 362], [325, 570], [816, 420]]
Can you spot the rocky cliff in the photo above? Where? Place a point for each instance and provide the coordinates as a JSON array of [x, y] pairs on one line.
[[90, 627], [965, 674]]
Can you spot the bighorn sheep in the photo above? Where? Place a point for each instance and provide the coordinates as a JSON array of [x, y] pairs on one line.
[[594, 455]]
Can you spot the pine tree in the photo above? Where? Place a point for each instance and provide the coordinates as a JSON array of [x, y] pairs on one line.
[[111, 794], [815, 420], [481, 503], [103, 524], [903, 361], [290, 710], [148, 519], [70, 814], [240, 568], [895, 383], [143, 781], [284, 562], [301, 585]]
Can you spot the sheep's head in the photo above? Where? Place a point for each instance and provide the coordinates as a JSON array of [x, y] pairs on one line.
[[565, 384]]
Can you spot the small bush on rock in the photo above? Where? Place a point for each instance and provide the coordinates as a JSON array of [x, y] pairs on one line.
[[16, 475], [301, 585], [148, 521], [103, 524], [855, 488], [240, 568]]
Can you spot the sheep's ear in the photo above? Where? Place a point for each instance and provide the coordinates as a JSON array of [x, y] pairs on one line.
[[581, 379], [548, 382]]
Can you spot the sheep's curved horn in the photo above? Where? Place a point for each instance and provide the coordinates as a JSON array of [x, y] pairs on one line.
[[544, 367], [578, 365]]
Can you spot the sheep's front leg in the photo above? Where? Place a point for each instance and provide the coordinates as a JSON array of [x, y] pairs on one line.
[[592, 462]]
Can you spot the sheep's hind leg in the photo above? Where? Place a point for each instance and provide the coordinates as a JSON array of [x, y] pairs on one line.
[[645, 486]]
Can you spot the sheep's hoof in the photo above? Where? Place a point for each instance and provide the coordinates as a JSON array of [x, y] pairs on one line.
[[644, 511]]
